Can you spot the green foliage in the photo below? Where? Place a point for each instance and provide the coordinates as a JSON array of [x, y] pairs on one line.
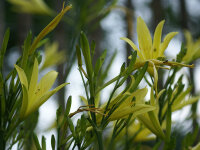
[[127, 120]]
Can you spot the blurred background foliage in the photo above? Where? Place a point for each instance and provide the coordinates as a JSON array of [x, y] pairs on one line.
[[87, 16]]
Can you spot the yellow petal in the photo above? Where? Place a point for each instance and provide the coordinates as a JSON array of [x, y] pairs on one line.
[[34, 79], [185, 103], [134, 47], [140, 95], [46, 83], [84, 100], [52, 52], [144, 38], [154, 120], [157, 39], [154, 127], [144, 135], [188, 37], [43, 86], [181, 96], [43, 99], [165, 43], [22, 76], [144, 118], [136, 110], [24, 102], [31, 6]]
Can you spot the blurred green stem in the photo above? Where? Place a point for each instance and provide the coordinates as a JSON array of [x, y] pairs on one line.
[[99, 138]]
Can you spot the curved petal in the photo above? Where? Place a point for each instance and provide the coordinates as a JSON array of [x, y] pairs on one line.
[[185, 103], [22, 76], [188, 37], [38, 102], [24, 102], [157, 39], [34, 79], [124, 111], [140, 95], [46, 83], [134, 47], [144, 38], [166, 41]]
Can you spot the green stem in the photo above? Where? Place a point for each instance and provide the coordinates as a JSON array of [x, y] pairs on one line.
[[99, 138], [108, 83]]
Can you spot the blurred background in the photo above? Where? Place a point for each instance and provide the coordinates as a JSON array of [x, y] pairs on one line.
[[103, 21]]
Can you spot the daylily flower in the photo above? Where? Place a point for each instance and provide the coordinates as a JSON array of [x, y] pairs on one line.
[[181, 101], [34, 93], [148, 50], [53, 56], [139, 131], [150, 119], [31, 6], [142, 133], [193, 48], [129, 103]]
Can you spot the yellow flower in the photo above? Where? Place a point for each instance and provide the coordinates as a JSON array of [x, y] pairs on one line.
[[150, 119], [31, 6], [53, 56], [148, 50], [35, 94], [129, 103], [139, 131], [181, 100], [193, 48]]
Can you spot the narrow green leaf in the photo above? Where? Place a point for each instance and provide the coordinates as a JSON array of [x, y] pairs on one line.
[[108, 66], [53, 142], [86, 53], [71, 126], [99, 63], [26, 47], [132, 62], [129, 69], [69, 144], [93, 45], [78, 54], [4, 47], [2, 95], [168, 123], [43, 143], [181, 54], [64, 141], [48, 28], [68, 106], [139, 77], [83, 125], [36, 141]]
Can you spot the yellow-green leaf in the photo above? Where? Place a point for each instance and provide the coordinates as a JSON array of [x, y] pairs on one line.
[[48, 28]]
